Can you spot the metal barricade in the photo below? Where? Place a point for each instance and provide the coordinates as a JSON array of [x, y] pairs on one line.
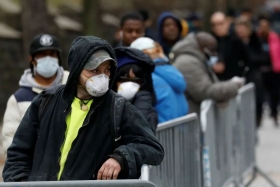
[[246, 132], [181, 166], [246, 137], [218, 122], [113, 183]]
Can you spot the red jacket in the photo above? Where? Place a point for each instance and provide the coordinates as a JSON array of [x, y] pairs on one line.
[[274, 46]]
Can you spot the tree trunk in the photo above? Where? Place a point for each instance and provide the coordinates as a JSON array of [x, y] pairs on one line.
[[35, 20], [208, 8], [92, 18]]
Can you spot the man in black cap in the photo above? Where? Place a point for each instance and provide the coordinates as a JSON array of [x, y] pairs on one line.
[[45, 72]]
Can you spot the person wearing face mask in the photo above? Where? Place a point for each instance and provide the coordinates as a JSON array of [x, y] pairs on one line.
[[134, 82], [194, 56], [45, 72], [169, 83], [82, 130]]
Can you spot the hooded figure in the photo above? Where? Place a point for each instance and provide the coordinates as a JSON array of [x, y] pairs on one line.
[[45, 72], [169, 31], [134, 81], [72, 135], [169, 83], [194, 56]]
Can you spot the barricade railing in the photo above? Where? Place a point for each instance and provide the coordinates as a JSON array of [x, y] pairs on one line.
[[217, 124], [181, 166], [245, 132], [113, 183], [229, 140], [246, 137]]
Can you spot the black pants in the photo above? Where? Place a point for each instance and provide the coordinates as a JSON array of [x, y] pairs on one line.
[[271, 82], [255, 77]]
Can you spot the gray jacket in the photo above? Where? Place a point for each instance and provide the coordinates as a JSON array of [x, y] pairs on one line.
[[202, 81]]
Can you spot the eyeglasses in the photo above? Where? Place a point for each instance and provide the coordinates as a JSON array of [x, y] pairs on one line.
[[217, 24]]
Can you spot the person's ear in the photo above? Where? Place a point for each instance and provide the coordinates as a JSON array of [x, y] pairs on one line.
[[32, 60], [121, 34]]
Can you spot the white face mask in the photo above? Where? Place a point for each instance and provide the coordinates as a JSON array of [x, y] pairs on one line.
[[97, 85], [47, 66], [212, 60], [128, 90]]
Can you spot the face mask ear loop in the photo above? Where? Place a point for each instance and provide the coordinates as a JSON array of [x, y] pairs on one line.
[[32, 66]]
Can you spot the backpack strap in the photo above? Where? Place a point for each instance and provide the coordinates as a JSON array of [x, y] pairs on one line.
[[117, 106]]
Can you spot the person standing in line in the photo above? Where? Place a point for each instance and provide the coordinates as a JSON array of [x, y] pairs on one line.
[[245, 31], [169, 83], [271, 69], [132, 26], [134, 82], [82, 130], [45, 72], [169, 31], [194, 57], [233, 57]]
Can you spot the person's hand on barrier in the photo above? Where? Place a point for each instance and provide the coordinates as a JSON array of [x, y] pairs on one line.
[[109, 170], [240, 81]]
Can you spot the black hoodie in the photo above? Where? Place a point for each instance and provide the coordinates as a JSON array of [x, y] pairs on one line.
[[35, 151], [145, 98]]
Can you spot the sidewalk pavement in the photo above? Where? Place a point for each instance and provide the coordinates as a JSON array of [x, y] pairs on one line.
[[268, 152]]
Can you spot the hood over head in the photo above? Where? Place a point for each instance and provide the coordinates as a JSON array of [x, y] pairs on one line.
[[128, 55], [188, 45], [80, 52], [161, 19]]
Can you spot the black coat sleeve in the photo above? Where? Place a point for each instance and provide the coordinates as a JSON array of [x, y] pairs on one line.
[[138, 144], [256, 53], [20, 154], [143, 102]]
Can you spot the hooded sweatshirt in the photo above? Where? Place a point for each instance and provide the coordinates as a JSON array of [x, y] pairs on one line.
[[161, 19], [202, 81], [145, 98], [21, 100], [37, 144]]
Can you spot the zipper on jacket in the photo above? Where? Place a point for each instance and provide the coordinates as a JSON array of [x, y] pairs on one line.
[[62, 145], [88, 117]]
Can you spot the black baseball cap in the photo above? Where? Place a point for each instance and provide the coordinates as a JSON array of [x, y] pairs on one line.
[[43, 42]]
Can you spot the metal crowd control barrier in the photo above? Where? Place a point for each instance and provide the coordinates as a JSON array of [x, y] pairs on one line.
[[113, 183], [246, 136], [229, 139], [218, 122], [181, 166]]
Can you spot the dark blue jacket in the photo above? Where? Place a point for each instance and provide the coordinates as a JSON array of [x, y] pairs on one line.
[[161, 19]]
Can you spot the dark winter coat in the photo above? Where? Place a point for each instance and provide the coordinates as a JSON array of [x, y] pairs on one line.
[[233, 54], [145, 99], [35, 151]]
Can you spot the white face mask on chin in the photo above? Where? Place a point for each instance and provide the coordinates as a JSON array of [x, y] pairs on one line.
[[128, 90], [47, 66], [97, 85]]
